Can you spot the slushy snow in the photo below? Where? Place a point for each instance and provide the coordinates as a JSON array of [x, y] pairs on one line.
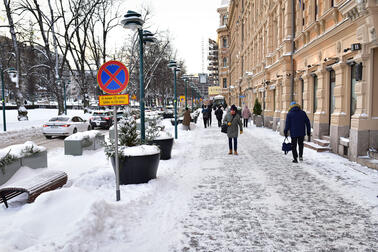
[[202, 200]]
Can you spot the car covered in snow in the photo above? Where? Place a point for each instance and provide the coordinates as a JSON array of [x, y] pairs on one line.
[[64, 126], [101, 119]]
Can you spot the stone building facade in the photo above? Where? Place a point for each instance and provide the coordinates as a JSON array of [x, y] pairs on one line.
[[328, 64]]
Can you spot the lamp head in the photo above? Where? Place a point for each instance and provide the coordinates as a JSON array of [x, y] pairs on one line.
[[172, 64], [148, 37], [132, 20]]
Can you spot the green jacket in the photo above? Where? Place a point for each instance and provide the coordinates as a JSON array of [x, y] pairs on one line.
[[233, 130]]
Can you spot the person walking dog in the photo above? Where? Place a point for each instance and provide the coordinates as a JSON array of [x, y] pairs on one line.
[[246, 115], [219, 115], [232, 119], [297, 122]]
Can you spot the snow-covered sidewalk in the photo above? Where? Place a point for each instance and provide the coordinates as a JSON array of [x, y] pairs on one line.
[[203, 200]]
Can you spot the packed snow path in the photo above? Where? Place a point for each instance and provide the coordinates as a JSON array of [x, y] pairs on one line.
[[260, 201]]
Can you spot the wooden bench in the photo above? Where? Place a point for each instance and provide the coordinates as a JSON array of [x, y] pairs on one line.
[[47, 181]]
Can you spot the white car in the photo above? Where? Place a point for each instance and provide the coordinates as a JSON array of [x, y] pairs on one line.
[[64, 126]]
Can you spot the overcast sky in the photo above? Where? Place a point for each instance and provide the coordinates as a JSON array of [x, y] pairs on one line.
[[188, 21]]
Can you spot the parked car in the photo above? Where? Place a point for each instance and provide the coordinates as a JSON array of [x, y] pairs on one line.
[[101, 119], [64, 126]]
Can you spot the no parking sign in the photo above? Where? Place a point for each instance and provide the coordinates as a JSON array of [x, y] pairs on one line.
[[113, 77]]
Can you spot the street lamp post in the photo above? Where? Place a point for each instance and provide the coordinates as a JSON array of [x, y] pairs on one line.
[[65, 97], [173, 65], [3, 97], [134, 21]]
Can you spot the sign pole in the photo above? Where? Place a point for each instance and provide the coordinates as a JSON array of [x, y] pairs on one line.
[[118, 193]]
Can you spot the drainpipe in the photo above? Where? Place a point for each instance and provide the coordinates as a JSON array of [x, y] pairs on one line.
[[292, 48]]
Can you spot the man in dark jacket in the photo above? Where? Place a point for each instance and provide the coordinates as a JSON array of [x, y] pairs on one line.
[[296, 122], [219, 115]]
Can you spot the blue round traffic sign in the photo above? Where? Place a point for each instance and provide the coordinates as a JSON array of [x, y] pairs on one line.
[[113, 77]]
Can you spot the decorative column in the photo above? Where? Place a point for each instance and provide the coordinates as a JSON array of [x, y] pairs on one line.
[[286, 93], [321, 125], [360, 127], [339, 120]]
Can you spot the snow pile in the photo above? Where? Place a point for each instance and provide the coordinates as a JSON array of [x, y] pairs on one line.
[[21, 150], [82, 135], [140, 150], [163, 135]]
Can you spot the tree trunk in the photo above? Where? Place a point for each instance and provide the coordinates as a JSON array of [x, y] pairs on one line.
[[22, 112]]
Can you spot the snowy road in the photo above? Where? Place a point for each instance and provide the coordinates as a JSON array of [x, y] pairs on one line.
[[260, 201]]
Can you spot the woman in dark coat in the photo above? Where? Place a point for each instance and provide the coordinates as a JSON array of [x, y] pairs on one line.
[[219, 115], [205, 115], [232, 119]]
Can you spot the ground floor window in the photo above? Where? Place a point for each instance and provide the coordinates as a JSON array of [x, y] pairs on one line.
[[353, 95]]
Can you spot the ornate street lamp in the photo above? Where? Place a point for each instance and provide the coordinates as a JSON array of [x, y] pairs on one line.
[[134, 22], [173, 65]]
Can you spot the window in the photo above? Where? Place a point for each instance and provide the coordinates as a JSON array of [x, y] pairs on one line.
[[224, 82], [316, 10], [315, 91], [332, 3], [274, 100], [225, 45], [224, 62], [224, 20]]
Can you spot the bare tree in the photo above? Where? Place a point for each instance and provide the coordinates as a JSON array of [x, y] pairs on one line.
[[22, 113]]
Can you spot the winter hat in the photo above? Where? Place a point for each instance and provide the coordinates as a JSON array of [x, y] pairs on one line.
[[233, 107], [293, 103]]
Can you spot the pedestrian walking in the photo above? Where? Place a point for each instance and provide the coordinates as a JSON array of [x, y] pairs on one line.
[[210, 107], [232, 119], [205, 115], [297, 122], [219, 115], [187, 118], [246, 115]]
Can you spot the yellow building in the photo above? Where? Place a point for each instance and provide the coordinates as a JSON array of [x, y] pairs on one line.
[[328, 64]]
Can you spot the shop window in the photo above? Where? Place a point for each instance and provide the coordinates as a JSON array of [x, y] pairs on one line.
[[332, 83]]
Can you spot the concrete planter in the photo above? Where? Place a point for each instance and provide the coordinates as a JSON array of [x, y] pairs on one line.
[[258, 120], [37, 160], [76, 147], [9, 170]]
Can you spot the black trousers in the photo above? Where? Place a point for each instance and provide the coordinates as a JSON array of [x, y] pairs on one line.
[[235, 143], [294, 142], [219, 122], [245, 122], [210, 119], [205, 122]]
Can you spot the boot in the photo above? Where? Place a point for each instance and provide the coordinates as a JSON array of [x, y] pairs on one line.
[[235, 153], [230, 152]]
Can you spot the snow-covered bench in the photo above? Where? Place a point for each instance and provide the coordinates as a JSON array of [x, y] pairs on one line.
[[88, 140], [14, 156], [33, 187]]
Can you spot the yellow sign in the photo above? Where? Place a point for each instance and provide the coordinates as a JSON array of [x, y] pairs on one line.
[[214, 90], [113, 100], [182, 98], [133, 97]]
